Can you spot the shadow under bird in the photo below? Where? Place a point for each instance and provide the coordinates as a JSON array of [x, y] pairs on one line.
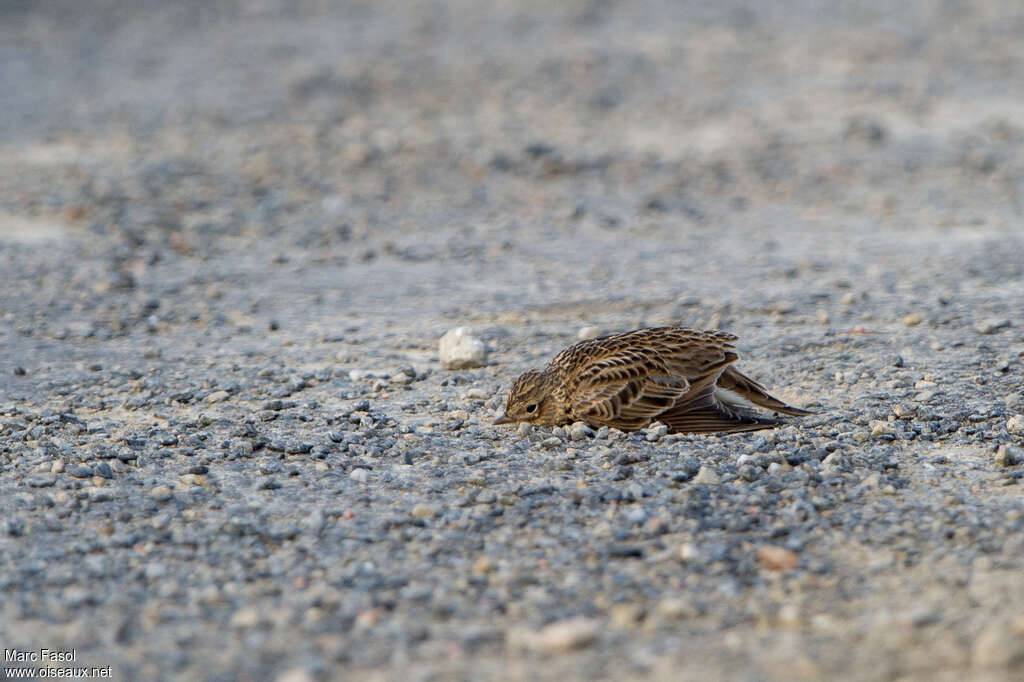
[[681, 377]]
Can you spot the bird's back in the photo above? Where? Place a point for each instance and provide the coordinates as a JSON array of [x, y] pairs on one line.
[[675, 350]]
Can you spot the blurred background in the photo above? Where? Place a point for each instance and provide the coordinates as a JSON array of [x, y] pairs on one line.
[[228, 229], [517, 140]]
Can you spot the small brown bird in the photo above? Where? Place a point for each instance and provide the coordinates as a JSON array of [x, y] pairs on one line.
[[682, 377]]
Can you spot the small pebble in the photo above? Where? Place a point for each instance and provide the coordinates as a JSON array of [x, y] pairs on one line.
[[689, 552], [567, 635], [749, 473], [832, 461], [580, 431], [912, 320], [625, 616], [246, 617], [161, 493], [401, 378], [903, 411], [881, 428], [707, 476], [636, 515], [482, 566], [359, 475], [677, 608], [419, 511], [998, 646], [1009, 455], [1015, 424], [655, 432], [992, 325], [776, 558]]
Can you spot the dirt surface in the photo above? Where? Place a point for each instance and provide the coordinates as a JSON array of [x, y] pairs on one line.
[[231, 235]]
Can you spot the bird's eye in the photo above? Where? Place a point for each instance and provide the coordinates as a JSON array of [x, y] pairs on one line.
[[531, 408]]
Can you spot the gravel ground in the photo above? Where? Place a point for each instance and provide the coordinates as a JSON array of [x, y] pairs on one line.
[[230, 239]]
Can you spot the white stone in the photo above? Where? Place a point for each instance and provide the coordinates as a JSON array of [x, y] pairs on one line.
[[459, 349], [580, 431], [217, 396], [636, 515], [246, 617], [567, 635], [423, 511], [586, 333], [400, 379], [161, 492], [690, 552], [872, 481], [913, 319], [1015, 424], [998, 646], [359, 475], [656, 431], [675, 608], [707, 476], [833, 460], [881, 428], [1008, 455], [992, 325]]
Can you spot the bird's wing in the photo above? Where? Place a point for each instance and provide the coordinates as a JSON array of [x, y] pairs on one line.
[[700, 358], [705, 414], [624, 390]]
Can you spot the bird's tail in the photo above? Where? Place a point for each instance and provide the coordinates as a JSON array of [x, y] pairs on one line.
[[734, 381]]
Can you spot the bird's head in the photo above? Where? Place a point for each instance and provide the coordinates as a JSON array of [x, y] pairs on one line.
[[530, 400]]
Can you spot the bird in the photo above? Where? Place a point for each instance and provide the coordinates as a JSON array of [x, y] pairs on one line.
[[681, 377]]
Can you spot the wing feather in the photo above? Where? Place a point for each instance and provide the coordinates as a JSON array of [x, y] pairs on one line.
[[705, 414], [733, 380], [625, 391]]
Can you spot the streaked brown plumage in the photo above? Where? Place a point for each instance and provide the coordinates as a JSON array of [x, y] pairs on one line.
[[682, 377]]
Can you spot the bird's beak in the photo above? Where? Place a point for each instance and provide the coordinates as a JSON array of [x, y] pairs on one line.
[[503, 419]]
